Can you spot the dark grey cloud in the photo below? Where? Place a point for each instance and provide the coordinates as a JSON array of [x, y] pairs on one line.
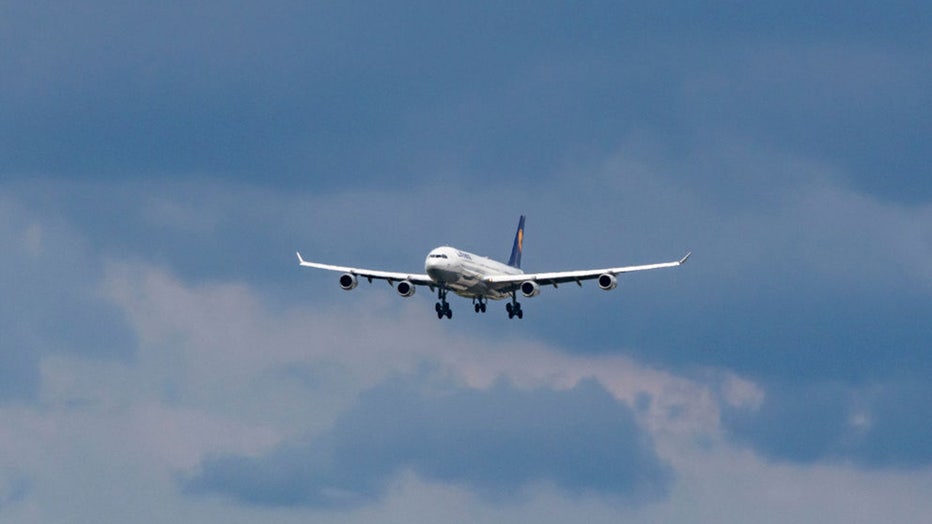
[[325, 96], [875, 426], [898, 434], [803, 423], [809, 331], [494, 443]]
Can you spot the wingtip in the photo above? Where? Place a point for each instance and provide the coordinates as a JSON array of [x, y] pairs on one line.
[[300, 260], [683, 260]]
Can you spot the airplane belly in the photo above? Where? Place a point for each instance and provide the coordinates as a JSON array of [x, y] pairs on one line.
[[479, 288], [464, 281]]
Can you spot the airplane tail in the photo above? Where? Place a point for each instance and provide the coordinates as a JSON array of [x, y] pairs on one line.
[[515, 260]]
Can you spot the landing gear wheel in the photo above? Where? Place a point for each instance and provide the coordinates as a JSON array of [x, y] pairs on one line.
[[444, 311], [479, 304], [514, 308]]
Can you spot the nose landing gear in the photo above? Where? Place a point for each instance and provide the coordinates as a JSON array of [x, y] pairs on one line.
[[443, 307]]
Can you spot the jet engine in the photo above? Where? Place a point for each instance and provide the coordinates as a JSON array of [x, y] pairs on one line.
[[348, 281], [607, 281], [405, 288], [530, 288]]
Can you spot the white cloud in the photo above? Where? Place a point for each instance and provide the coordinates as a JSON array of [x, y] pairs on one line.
[[220, 369]]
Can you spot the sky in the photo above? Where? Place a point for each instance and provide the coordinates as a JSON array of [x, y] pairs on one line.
[[163, 357]]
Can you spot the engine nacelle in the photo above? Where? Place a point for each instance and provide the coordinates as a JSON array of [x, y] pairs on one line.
[[405, 288], [348, 281], [607, 281], [530, 288]]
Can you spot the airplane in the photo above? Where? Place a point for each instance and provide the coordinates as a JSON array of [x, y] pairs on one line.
[[481, 279]]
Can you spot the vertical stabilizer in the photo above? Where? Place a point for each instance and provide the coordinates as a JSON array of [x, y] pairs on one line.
[[515, 260]]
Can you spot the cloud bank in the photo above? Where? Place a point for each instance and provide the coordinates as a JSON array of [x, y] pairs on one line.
[[494, 442]]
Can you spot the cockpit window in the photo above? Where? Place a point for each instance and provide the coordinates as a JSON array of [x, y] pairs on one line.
[[438, 256]]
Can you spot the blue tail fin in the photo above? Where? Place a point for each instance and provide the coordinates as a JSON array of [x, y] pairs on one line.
[[515, 260]]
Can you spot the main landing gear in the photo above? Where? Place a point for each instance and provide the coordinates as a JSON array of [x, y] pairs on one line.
[[443, 307], [514, 307], [479, 304]]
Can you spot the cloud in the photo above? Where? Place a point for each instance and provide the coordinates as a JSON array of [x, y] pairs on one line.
[[243, 392], [494, 442], [874, 427], [49, 281], [763, 290], [155, 189], [802, 423], [315, 95]]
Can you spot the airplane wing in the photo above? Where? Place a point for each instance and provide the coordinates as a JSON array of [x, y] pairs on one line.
[[370, 274], [561, 277]]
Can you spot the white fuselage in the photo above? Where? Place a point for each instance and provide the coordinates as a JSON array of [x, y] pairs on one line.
[[465, 273]]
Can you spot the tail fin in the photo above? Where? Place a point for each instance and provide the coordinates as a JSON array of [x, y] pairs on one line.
[[515, 260]]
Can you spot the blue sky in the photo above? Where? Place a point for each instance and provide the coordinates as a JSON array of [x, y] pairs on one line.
[[163, 355]]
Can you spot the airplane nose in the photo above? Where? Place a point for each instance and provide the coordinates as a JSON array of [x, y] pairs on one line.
[[436, 267]]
